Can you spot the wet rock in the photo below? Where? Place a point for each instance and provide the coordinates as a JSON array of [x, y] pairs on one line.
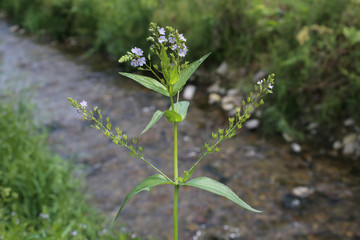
[[148, 109], [349, 122], [302, 191], [232, 92], [227, 103], [350, 144], [14, 28], [223, 68], [337, 145], [291, 202], [189, 92], [214, 98], [312, 127], [287, 137], [215, 88], [252, 124], [296, 148]]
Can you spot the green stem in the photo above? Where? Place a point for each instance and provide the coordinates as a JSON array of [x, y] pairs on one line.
[[175, 213], [176, 171], [176, 187]]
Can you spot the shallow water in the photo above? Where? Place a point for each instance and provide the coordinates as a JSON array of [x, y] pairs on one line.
[[262, 172]]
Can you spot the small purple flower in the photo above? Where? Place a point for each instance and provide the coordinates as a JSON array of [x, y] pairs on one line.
[[259, 82], [141, 61], [162, 31], [162, 39], [182, 38], [182, 52], [83, 103], [174, 47], [77, 112], [172, 40], [134, 63], [74, 233], [270, 86], [137, 51]]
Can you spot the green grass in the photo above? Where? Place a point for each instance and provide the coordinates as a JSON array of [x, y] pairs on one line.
[[39, 197]]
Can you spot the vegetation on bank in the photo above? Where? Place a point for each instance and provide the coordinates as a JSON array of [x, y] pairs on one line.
[[312, 46], [39, 197]]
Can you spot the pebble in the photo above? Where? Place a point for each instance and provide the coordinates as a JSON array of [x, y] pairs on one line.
[[337, 145], [227, 103], [349, 122], [252, 124], [302, 191], [291, 202], [349, 144], [214, 98], [232, 92], [295, 147], [223, 68], [189, 92], [14, 28], [215, 88], [287, 137]]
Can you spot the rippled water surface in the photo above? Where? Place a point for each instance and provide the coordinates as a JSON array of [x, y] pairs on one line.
[[263, 172]]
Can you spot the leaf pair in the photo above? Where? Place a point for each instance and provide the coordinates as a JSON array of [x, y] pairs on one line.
[[204, 183], [176, 80], [178, 115]]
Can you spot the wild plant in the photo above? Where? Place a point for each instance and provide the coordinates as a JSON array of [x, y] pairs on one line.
[[171, 73]]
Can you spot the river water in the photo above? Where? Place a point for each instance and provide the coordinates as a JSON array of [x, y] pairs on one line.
[[262, 172]]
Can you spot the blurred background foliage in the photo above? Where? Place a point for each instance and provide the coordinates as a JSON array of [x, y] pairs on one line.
[[39, 195], [313, 46]]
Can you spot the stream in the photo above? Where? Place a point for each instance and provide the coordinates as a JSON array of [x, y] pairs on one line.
[[303, 196]]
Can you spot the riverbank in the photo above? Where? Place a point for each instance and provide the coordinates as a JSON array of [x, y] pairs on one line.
[[264, 173]]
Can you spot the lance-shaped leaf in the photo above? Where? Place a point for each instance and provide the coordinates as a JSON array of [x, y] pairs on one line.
[[218, 188], [156, 117], [186, 74], [147, 185], [174, 75], [147, 82]]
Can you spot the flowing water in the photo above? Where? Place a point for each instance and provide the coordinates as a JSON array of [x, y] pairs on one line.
[[262, 172]]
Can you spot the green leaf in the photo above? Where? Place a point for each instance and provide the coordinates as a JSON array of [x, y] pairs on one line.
[[147, 82], [147, 185], [172, 116], [218, 188], [156, 117], [174, 75], [181, 108], [186, 74], [165, 63]]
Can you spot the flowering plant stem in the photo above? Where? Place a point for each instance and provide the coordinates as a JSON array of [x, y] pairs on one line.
[[172, 75]]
